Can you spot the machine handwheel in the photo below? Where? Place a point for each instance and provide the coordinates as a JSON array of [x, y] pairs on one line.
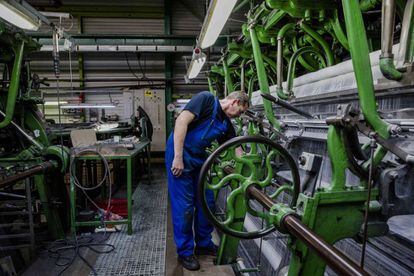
[[264, 164]]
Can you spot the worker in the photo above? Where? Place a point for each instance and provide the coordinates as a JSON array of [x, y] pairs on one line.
[[203, 120]]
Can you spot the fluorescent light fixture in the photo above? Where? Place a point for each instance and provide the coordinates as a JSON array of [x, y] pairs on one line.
[[87, 106], [54, 103], [197, 62], [218, 13], [15, 13], [182, 101]]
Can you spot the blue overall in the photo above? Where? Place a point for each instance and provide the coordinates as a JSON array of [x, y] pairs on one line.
[[185, 207]]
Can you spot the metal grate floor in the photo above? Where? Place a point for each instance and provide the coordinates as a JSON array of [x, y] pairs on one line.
[[142, 253]]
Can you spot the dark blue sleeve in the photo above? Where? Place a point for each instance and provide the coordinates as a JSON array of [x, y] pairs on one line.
[[201, 105]]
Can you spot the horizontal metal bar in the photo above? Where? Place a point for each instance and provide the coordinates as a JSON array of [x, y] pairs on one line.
[[4, 225], [14, 236], [13, 213], [97, 223], [14, 247]]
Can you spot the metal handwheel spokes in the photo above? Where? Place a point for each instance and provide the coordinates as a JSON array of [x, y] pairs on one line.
[[224, 198]]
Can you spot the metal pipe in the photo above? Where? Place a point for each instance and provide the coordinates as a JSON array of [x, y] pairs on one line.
[[335, 259], [41, 168], [287, 105], [387, 34], [406, 50], [27, 136], [279, 59], [14, 85], [241, 267]]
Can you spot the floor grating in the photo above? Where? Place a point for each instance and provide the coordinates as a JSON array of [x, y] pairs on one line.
[[142, 253]]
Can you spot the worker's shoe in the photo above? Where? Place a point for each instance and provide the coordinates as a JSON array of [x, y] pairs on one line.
[[189, 262], [208, 251]]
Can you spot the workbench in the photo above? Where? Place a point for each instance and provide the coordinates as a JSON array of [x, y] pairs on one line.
[[112, 153]]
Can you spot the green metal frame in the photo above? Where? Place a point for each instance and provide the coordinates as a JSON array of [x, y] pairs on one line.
[[128, 157]]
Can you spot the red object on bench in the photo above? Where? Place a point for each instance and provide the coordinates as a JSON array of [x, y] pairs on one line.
[[118, 206]]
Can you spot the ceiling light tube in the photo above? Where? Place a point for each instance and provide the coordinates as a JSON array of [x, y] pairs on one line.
[[197, 62], [218, 13], [54, 103], [87, 106], [183, 101], [16, 14]]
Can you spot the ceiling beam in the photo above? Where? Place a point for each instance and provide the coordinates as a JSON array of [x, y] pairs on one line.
[[107, 11], [127, 43]]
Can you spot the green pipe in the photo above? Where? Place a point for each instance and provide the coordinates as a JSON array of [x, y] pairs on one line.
[[362, 66], [240, 5], [251, 87], [304, 62], [271, 63], [292, 65], [388, 68], [337, 156], [366, 5], [325, 46], [210, 86], [227, 78], [287, 27], [274, 17], [339, 32], [14, 86], [262, 78]]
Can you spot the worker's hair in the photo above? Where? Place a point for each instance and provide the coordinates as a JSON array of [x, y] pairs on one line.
[[241, 96]]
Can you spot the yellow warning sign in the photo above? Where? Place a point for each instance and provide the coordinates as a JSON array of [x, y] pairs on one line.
[[149, 93]]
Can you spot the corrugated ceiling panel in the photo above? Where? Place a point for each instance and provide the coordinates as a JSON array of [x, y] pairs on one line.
[[112, 66], [135, 3], [123, 26], [184, 22], [139, 3], [42, 64], [188, 17]]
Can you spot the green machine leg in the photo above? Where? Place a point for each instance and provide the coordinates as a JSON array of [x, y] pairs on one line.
[[227, 252], [336, 207], [53, 220]]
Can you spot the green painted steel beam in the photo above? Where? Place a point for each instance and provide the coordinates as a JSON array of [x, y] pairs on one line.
[[168, 58], [358, 44], [10, 101], [262, 78], [108, 11]]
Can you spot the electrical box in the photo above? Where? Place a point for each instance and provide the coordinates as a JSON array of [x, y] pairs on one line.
[[153, 102], [310, 162]]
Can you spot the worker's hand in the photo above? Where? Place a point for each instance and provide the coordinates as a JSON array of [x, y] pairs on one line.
[[177, 166], [239, 152]]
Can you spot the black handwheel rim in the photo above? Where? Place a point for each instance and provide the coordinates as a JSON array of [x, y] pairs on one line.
[[210, 161]]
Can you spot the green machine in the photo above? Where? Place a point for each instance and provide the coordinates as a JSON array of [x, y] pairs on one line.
[[26, 154], [280, 40]]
